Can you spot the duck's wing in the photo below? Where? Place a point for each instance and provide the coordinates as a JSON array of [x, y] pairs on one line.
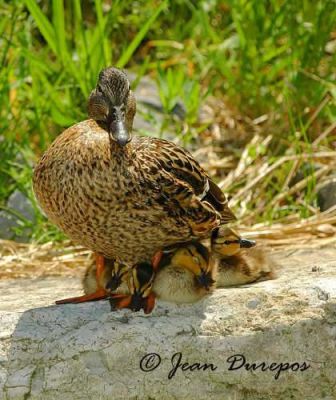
[[187, 187]]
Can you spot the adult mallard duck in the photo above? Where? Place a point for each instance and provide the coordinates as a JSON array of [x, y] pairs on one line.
[[124, 198]]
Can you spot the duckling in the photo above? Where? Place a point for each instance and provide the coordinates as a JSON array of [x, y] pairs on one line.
[[124, 198], [248, 266], [125, 287], [239, 262], [138, 294], [185, 275], [112, 277]]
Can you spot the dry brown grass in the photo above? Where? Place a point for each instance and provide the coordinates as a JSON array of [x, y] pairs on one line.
[[18, 260], [263, 183]]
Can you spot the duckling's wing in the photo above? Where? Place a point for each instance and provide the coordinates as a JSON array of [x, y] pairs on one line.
[[186, 182]]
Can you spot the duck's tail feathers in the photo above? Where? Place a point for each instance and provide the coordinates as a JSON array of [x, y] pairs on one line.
[[218, 200]]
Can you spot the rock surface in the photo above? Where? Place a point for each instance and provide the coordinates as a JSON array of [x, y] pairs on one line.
[[86, 352]]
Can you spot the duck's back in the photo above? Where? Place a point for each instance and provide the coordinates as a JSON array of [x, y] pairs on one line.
[[117, 202]]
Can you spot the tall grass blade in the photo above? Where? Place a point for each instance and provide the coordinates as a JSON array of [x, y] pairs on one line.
[[140, 35], [43, 24]]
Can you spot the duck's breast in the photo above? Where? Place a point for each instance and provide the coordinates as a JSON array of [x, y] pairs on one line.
[[99, 196]]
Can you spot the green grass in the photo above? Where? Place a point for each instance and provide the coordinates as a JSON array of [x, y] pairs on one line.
[[256, 57]]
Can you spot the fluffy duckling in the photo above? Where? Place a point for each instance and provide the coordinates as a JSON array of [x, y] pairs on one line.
[[125, 287], [98, 286], [227, 242], [114, 277], [186, 274], [239, 262], [138, 293]]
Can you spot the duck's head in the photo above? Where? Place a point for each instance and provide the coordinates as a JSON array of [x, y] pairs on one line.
[[112, 103], [227, 242], [196, 258]]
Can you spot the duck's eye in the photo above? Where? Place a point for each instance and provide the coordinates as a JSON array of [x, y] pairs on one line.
[[97, 107], [100, 89], [113, 113]]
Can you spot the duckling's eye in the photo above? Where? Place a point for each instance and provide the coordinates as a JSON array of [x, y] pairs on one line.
[[227, 242], [196, 260]]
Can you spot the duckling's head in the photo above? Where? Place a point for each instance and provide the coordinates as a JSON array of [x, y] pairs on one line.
[[118, 274], [112, 104], [141, 285], [196, 258], [142, 275], [227, 242]]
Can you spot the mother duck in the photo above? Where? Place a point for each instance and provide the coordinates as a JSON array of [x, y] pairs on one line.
[[124, 198]]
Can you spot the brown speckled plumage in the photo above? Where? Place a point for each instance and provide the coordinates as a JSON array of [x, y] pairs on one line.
[[123, 204], [126, 202]]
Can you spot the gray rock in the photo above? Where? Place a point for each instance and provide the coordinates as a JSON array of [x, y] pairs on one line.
[[84, 351], [326, 195], [150, 113], [18, 205], [305, 170]]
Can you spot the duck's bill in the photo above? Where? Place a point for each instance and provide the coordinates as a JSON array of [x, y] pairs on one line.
[[119, 132], [205, 280], [246, 244]]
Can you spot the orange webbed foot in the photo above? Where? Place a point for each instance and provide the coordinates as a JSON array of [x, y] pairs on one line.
[[98, 295], [133, 302], [119, 301], [149, 303], [156, 259]]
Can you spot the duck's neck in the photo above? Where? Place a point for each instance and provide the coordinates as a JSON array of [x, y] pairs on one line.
[[122, 156], [121, 153]]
